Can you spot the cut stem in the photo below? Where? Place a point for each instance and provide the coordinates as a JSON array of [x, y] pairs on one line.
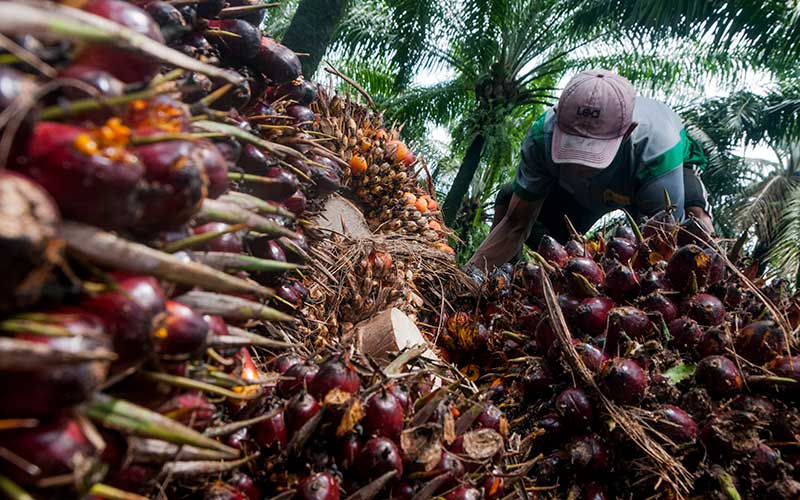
[[188, 383], [196, 240], [239, 262], [218, 211], [230, 307]]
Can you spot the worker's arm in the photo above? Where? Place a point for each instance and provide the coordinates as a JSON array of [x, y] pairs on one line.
[[650, 197], [507, 237]]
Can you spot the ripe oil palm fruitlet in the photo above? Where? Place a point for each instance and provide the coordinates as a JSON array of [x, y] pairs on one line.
[[180, 319]]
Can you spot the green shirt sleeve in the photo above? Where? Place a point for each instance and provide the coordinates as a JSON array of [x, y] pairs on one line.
[[665, 162]]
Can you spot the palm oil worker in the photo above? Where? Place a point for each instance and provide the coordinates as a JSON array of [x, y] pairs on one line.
[[600, 149]]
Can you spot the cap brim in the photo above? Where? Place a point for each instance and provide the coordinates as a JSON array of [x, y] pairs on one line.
[[594, 153]]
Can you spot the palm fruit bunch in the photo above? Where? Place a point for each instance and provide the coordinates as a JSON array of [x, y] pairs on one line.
[[150, 218], [647, 365]]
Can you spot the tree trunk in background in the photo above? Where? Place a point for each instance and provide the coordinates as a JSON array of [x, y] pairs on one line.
[[311, 30], [460, 187]]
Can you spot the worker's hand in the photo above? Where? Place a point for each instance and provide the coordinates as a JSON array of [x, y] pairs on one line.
[[477, 276]]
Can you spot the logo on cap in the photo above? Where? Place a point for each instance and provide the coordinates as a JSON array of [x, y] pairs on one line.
[[588, 112]]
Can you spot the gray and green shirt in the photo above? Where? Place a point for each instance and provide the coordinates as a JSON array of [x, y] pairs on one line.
[[646, 165]]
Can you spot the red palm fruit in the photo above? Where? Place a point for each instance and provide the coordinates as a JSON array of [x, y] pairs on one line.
[[575, 408], [591, 316], [58, 386], [287, 292], [125, 65], [239, 48], [621, 282], [266, 248], [190, 408], [688, 266], [282, 363], [282, 185], [625, 233], [230, 150], [28, 224], [719, 375], [767, 461], [620, 249], [493, 486], [401, 394], [383, 415], [660, 224], [624, 381], [757, 405], [215, 167], [348, 451], [101, 81], [255, 162], [297, 377], [594, 491], [760, 341], [377, 457], [786, 367], [553, 251], [321, 486], [129, 314], [585, 267], [229, 242], [301, 114], [685, 332], [183, 332], [296, 203], [82, 174], [569, 307], [714, 341], [551, 430], [532, 279], [653, 281], [658, 303], [158, 115], [300, 91], [335, 373], [705, 309], [55, 447], [675, 423], [450, 465], [628, 321], [464, 493], [536, 380], [592, 357], [246, 485], [176, 183], [492, 418], [545, 335], [277, 62], [574, 248], [299, 410], [170, 21], [271, 433], [588, 454]]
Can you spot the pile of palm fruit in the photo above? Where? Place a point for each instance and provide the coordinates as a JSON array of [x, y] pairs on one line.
[[175, 325]]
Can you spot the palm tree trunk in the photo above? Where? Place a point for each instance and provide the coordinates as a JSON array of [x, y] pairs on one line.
[[466, 172], [311, 30]]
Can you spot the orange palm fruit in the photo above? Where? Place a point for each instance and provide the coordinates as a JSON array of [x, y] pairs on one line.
[[409, 198], [400, 149], [358, 165], [421, 205]]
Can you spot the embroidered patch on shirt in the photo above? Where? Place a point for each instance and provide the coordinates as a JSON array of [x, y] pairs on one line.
[[616, 198]]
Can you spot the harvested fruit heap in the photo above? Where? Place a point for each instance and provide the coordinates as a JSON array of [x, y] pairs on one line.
[[647, 364], [163, 162]]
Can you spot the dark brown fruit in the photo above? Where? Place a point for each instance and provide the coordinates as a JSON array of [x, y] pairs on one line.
[[622, 283], [383, 416], [189, 408], [215, 167], [653, 281], [592, 314], [624, 381], [621, 250], [686, 333], [278, 62], [553, 251], [125, 65], [240, 48], [464, 493], [760, 341], [625, 233], [229, 242], [271, 432], [379, 456], [297, 377], [688, 266], [348, 451], [627, 322], [657, 303], [706, 309], [335, 373], [101, 81], [592, 356], [169, 19], [787, 367], [321, 486], [575, 408], [675, 423], [719, 375], [537, 380], [299, 410], [588, 454], [587, 268], [182, 333]]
